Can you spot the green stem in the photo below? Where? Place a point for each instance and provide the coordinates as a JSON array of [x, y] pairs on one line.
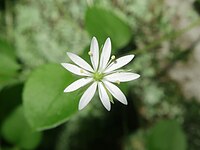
[[166, 37], [9, 19]]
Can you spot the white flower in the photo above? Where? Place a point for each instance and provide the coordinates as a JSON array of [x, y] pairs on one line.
[[103, 73]]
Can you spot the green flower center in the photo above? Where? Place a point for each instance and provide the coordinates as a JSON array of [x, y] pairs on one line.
[[98, 76]]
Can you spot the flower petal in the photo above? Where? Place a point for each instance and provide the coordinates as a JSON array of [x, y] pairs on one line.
[[116, 92], [121, 77], [94, 49], [105, 55], [79, 61], [118, 63], [77, 84], [104, 96], [75, 69], [87, 96]]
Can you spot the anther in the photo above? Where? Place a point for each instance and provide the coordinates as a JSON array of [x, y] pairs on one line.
[[118, 82], [90, 53], [113, 57], [81, 71]]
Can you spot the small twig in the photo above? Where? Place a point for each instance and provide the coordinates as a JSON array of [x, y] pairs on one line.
[[177, 58], [166, 37], [90, 3], [9, 19]]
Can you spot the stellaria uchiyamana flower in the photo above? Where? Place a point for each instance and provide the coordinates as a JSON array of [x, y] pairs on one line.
[[102, 75]]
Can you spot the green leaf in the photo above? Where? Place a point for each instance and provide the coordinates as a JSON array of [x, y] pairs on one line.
[[102, 23], [6, 48], [166, 135], [9, 101], [45, 103], [16, 130], [8, 70], [8, 64]]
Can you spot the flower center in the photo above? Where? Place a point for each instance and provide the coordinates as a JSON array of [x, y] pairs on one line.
[[97, 76]]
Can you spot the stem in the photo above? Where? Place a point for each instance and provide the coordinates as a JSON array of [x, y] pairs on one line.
[[166, 37], [9, 19], [177, 58]]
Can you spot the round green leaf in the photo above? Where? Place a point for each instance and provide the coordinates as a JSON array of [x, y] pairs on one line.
[[45, 103], [103, 23], [166, 135], [17, 131]]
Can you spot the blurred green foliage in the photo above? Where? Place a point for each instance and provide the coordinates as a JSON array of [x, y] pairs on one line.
[[17, 131], [110, 25], [197, 5], [45, 103], [35, 36], [45, 30], [8, 64], [166, 135]]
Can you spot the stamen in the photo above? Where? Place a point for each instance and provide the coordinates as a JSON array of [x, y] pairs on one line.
[[90, 53], [113, 57], [118, 82], [81, 71], [111, 60]]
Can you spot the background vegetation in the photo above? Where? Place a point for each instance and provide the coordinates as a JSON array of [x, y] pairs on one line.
[[163, 111]]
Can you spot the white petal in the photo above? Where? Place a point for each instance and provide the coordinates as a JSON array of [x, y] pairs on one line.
[[87, 96], [104, 96], [105, 55], [94, 49], [121, 77], [118, 63], [79, 61], [78, 84], [75, 69], [116, 92]]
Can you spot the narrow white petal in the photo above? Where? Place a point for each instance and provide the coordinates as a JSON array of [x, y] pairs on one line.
[[105, 55], [116, 92], [79, 61], [75, 69], [104, 96], [118, 63], [87, 96], [94, 49], [121, 77], [78, 84]]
